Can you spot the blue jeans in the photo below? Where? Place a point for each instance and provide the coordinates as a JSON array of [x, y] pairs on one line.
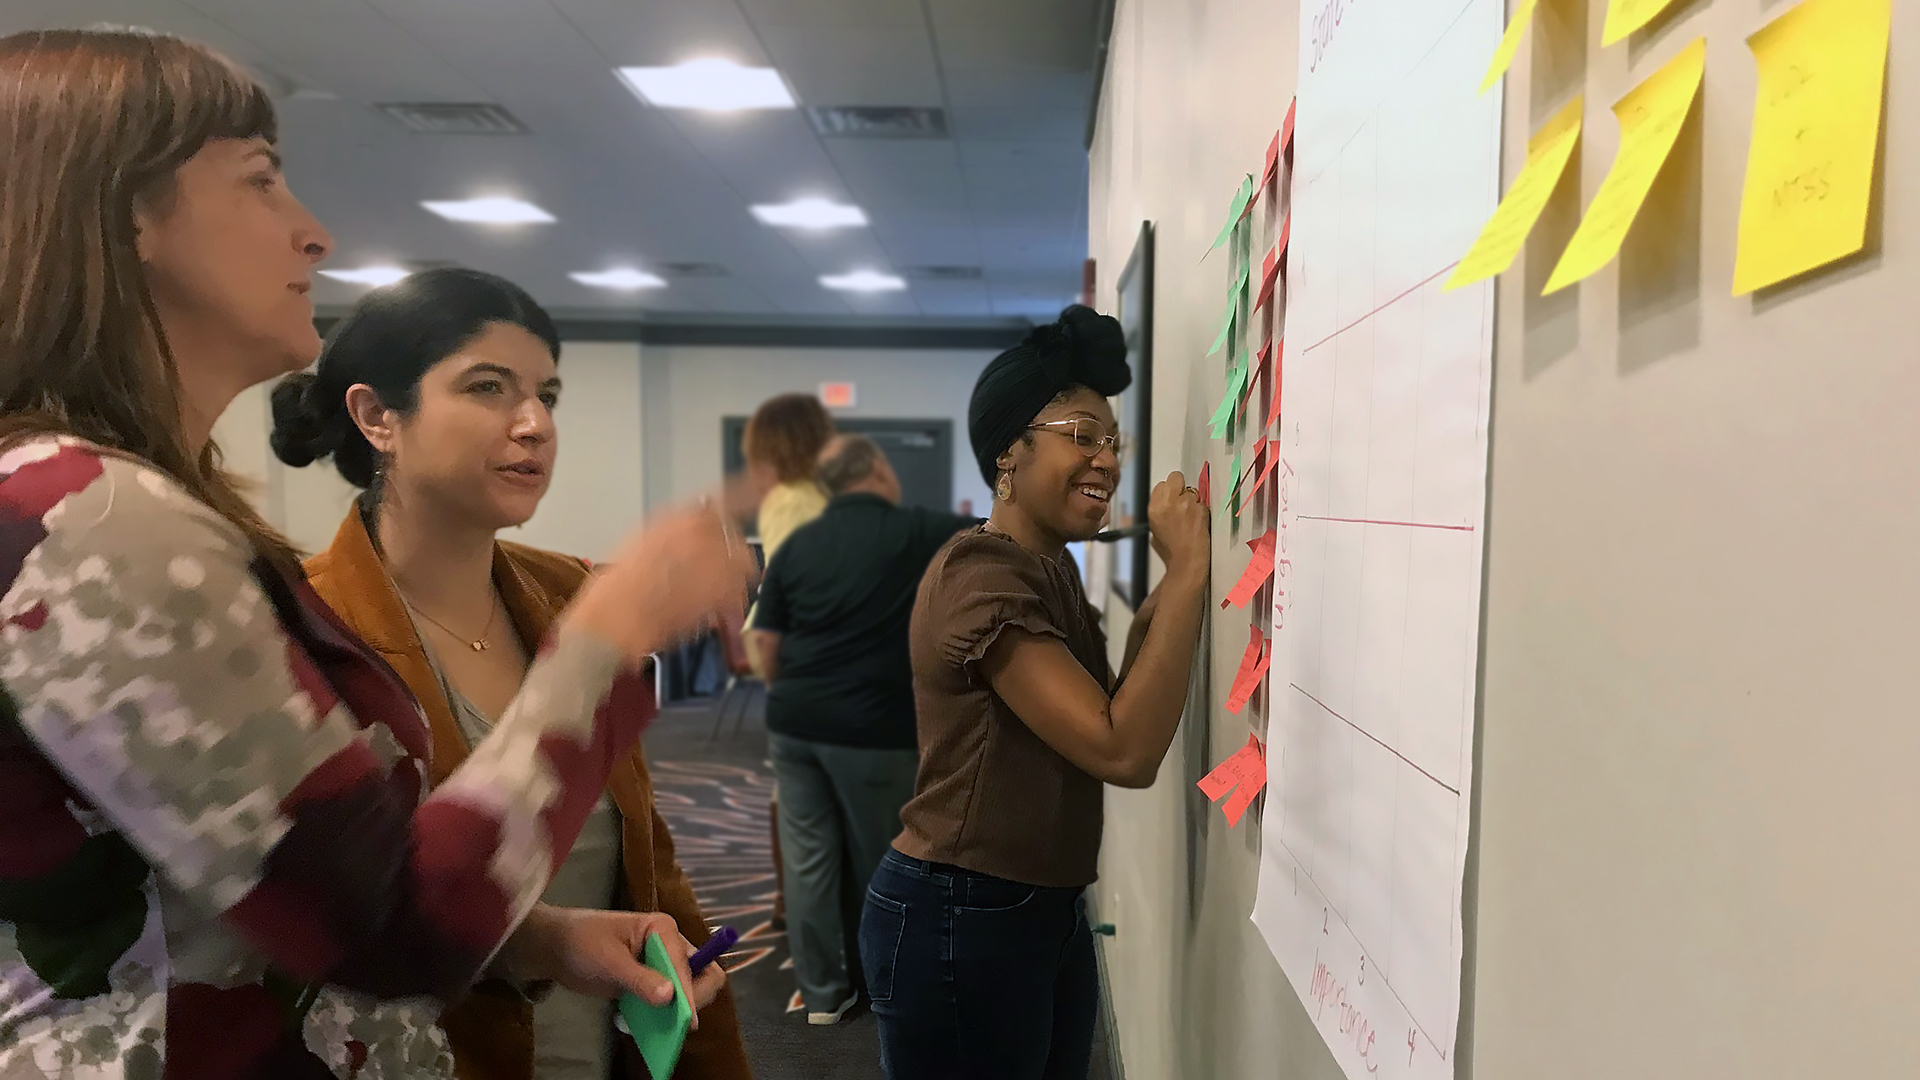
[[974, 977]]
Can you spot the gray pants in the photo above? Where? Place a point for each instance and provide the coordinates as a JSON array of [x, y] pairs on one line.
[[839, 813]]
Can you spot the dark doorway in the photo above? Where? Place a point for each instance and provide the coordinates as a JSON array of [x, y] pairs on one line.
[[921, 452]]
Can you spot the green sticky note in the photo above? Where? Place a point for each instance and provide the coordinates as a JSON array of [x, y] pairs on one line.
[[1236, 211], [1236, 382], [1240, 283], [659, 1030], [1226, 326], [1233, 499]]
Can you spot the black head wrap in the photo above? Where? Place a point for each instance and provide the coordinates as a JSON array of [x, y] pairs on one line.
[[1081, 348]]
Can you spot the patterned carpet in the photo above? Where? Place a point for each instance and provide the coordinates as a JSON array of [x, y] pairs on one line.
[[714, 795]]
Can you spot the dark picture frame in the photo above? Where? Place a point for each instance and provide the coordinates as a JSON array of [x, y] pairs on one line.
[[1133, 307]]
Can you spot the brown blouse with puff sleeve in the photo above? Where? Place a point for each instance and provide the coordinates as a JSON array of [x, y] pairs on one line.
[[992, 796]]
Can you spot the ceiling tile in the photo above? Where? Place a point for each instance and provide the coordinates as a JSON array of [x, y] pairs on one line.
[[1061, 125], [841, 65], [1001, 34], [637, 186], [836, 12]]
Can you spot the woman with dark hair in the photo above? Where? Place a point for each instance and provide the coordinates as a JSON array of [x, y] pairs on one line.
[[218, 856], [975, 941], [436, 396], [782, 443]]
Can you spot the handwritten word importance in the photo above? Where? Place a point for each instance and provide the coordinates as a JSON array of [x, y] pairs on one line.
[[1354, 1025]]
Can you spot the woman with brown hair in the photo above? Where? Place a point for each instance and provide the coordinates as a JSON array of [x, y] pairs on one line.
[[439, 396], [218, 856], [782, 444]]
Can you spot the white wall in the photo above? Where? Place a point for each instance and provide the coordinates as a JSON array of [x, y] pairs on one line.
[[691, 389], [1694, 854], [1195, 89], [597, 485]]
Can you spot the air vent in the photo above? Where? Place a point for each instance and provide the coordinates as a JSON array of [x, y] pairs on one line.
[[878, 121], [944, 273], [454, 118], [693, 270]]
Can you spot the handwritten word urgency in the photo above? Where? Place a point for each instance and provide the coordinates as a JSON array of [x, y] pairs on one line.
[[1324, 24]]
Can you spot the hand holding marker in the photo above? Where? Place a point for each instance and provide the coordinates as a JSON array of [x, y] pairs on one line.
[[723, 939], [661, 1030]]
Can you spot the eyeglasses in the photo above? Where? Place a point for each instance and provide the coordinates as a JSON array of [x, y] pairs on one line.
[[1088, 434]]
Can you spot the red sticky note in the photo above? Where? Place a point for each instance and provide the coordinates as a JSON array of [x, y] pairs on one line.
[[1224, 775], [1204, 487], [1244, 774], [1246, 396], [1286, 237], [1258, 571], [1253, 668], [1253, 777], [1269, 276], [1229, 772], [1272, 170], [1278, 349], [1272, 453], [1286, 127]]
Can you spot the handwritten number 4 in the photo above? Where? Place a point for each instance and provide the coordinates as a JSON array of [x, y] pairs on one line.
[[1411, 1044]]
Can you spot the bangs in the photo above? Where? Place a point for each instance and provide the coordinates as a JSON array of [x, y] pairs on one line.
[[215, 97]]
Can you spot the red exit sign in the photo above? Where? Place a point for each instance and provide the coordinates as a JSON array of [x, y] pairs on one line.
[[838, 395]]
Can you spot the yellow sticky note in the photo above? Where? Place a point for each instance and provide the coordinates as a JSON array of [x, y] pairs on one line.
[[1650, 118], [1626, 16], [1816, 126], [1510, 44], [1506, 231]]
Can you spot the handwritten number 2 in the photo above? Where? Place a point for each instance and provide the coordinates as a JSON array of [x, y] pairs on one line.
[[1323, 920]]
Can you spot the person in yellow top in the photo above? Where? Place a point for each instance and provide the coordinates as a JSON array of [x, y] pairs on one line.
[[782, 443]]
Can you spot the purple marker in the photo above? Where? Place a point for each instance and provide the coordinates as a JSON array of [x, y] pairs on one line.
[[723, 939]]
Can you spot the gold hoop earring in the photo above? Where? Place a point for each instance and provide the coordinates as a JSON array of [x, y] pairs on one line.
[[1003, 489]]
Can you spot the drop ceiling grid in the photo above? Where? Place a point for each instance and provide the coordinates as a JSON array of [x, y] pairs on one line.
[[1006, 192]]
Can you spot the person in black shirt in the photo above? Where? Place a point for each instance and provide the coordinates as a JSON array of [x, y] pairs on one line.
[[830, 633]]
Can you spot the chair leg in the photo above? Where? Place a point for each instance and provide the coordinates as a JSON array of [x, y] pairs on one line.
[[720, 710], [746, 706]]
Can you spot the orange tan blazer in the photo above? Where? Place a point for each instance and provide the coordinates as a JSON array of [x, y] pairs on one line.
[[491, 1031]]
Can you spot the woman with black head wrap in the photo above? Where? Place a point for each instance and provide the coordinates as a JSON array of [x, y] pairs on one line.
[[975, 939]]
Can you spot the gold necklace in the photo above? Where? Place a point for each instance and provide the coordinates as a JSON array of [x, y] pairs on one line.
[[478, 644]]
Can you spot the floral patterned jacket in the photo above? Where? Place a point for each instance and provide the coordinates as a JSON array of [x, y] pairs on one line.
[[218, 857]]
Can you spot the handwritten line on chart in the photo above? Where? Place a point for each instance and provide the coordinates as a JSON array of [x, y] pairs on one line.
[[1399, 524], [1437, 274], [1299, 865], [1370, 735]]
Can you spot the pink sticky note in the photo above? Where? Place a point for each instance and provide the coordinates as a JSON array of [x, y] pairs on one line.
[[1252, 779], [1279, 367], [1243, 680], [1272, 454], [1229, 772], [1202, 486], [1246, 396], [1258, 571], [1270, 274]]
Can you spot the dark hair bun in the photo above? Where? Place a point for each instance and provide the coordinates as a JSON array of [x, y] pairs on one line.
[[1100, 348], [303, 432]]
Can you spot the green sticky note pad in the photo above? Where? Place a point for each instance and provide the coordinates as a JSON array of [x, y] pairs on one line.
[[659, 1030]]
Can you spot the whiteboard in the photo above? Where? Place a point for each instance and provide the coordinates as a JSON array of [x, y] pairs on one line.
[[1376, 607]]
